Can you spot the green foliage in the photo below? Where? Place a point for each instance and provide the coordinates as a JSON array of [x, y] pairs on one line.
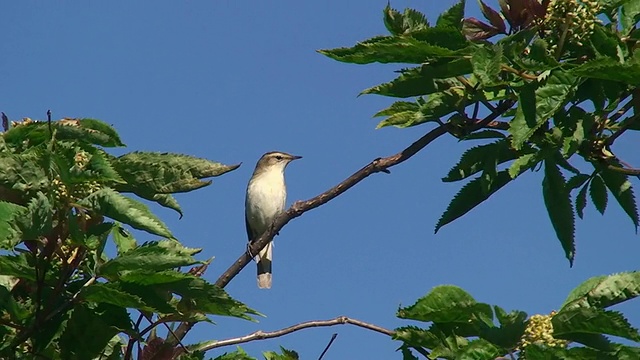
[[62, 296], [553, 91], [461, 328]]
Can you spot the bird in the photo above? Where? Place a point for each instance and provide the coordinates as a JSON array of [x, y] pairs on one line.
[[265, 200]]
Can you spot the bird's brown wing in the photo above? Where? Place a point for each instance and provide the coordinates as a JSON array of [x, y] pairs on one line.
[[250, 234]]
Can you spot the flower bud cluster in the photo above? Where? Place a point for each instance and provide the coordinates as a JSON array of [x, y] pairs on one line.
[[540, 331], [573, 19]]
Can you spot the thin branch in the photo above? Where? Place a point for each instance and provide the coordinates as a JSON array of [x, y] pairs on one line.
[[262, 335], [300, 207], [626, 171], [326, 348], [626, 124]]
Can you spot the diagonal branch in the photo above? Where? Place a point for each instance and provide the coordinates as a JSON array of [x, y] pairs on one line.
[[300, 207], [262, 335]]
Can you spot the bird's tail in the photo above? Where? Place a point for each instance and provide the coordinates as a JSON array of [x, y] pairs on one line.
[[264, 266]]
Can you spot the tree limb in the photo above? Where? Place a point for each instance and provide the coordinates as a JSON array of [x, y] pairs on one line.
[[262, 335]]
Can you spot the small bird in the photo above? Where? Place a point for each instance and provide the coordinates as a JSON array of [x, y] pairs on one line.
[[266, 196]]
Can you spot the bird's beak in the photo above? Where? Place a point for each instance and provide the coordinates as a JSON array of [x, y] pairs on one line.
[[295, 157]]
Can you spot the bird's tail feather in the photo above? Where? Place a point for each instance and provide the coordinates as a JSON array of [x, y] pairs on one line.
[[264, 266]]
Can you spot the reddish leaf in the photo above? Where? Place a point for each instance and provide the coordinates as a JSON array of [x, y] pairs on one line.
[[474, 29], [494, 17]]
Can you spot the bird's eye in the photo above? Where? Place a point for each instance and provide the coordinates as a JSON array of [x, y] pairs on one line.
[[278, 157]]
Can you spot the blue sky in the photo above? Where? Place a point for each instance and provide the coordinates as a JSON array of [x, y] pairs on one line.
[[231, 80]]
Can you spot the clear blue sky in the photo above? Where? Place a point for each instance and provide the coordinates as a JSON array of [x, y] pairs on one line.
[[230, 80]]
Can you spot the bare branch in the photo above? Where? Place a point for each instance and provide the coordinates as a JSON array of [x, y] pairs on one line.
[[262, 335], [326, 348]]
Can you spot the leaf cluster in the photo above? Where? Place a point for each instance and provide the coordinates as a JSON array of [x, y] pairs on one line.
[[542, 84], [63, 198], [462, 328]]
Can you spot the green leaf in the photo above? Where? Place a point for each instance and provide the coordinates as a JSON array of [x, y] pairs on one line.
[[90, 330], [610, 69], [592, 321], [446, 304], [414, 82], [576, 181], [470, 196], [9, 235], [196, 294], [534, 109], [37, 220], [604, 291], [110, 294], [121, 208], [151, 256], [17, 266], [484, 134], [486, 61], [150, 172], [239, 354], [438, 105], [22, 172], [400, 49], [473, 160], [398, 107], [90, 131], [398, 24], [620, 187], [286, 355], [414, 336], [630, 15], [479, 349], [512, 326], [402, 120], [452, 17], [523, 163], [123, 239], [558, 203], [581, 200], [598, 192]]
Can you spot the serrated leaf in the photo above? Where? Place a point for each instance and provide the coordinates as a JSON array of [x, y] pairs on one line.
[[452, 17], [535, 109], [446, 304], [150, 256], [409, 21], [606, 68], [592, 321], [630, 14], [17, 266], [123, 239], [393, 20], [486, 61], [470, 196], [104, 322], [581, 200], [22, 172], [620, 187], [110, 294], [493, 16], [559, 208], [415, 336], [598, 192], [9, 234], [479, 349], [126, 210], [473, 160], [414, 83], [523, 163], [402, 119], [393, 49], [576, 181], [239, 354], [37, 220], [151, 172], [604, 291], [90, 131], [398, 107], [286, 355], [484, 134], [196, 294]]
